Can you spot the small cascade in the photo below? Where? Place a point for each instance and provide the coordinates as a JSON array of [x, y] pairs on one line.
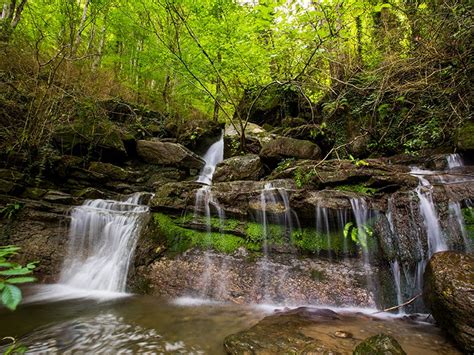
[[102, 239], [213, 156], [395, 267], [204, 206], [322, 224], [436, 241], [275, 210], [456, 214], [362, 215], [454, 161]]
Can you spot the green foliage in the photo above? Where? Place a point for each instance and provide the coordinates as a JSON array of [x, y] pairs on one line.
[[14, 347], [468, 215], [284, 164], [358, 162], [11, 210], [359, 235], [303, 177], [311, 240], [255, 233], [12, 274], [359, 188]]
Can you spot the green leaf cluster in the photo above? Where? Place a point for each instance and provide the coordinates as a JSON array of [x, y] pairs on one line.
[[12, 274]]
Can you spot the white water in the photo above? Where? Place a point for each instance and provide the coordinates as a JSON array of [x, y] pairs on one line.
[[209, 287], [102, 239], [436, 241], [213, 156], [361, 214], [454, 161], [456, 213]]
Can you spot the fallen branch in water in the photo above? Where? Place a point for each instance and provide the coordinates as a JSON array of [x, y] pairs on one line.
[[400, 305]]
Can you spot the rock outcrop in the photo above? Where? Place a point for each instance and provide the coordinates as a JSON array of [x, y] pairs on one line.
[[285, 147], [448, 291], [168, 154], [244, 167]]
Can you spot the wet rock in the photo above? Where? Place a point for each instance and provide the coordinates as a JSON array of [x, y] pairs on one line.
[[245, 167], [448, 291], [235, 197], [334, 173], [109, 170], [281, 333], [58, 197], [380, 344], [197, 133], [168, 154], [284, 147], [91, 193]]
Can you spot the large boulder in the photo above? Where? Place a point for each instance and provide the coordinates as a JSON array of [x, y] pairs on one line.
[[168, 154], [99, 139], [111, 171], [284, 147], [380, 344], [255, 137], [448, 291], [244, 167]]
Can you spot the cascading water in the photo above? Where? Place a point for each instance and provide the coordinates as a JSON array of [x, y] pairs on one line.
[[436, 241], [203, 203], [213, 156], [454, 161], [456, 213], [102, 239], [362, 215], [275, 210], [322, 224]]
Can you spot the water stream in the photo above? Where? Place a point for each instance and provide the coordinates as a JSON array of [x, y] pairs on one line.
[[213, 156]]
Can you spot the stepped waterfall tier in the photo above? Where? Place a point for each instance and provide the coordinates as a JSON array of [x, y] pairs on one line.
[[102, 238]]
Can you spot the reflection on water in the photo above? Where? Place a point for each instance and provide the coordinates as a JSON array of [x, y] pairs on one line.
[[148, 325]]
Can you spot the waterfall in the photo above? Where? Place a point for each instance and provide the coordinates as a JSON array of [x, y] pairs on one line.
[[436, 241], [275, 210], [213, 156], [395, 267], [102, 239], [454, 161]]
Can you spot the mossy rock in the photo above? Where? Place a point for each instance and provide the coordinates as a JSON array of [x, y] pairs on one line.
[[34, 193], [448, 290], [111, 171], [99, 139], [380, 344], [465, 136], [179, 239]]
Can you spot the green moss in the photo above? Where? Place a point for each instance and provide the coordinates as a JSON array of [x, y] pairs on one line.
[[311, 240], [359, 188], [179, 239], [255, 233], [468, 215]]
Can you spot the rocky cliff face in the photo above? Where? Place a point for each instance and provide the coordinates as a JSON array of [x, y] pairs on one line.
[[167, 169]]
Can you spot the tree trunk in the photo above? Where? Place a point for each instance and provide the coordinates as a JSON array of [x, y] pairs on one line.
[[82, 26], [218, 90]]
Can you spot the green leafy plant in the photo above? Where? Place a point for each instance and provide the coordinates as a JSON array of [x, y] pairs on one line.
[[358, 162], [358, 235], [14, 347], [10, 210], [302, 178], [12, 274]]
